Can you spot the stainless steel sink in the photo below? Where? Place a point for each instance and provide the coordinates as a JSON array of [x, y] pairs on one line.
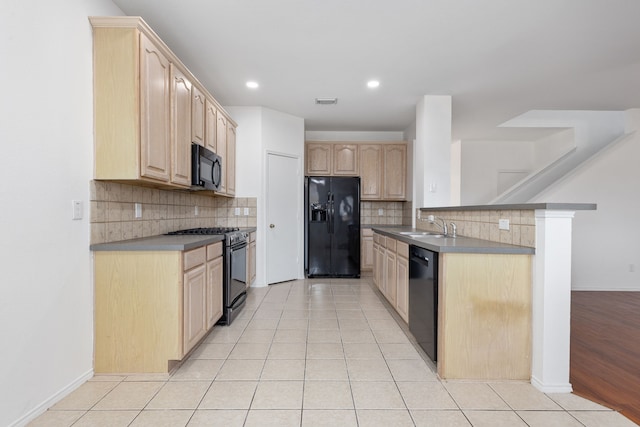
[[420, 234]]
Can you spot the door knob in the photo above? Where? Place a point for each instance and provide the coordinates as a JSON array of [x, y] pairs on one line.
[[272, 226]]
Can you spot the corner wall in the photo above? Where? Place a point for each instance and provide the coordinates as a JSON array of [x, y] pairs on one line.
[[606, 242], [46, 296]]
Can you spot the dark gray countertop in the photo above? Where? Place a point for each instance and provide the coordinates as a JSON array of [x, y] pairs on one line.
[[453, 245], [159, 243], [520, 206]]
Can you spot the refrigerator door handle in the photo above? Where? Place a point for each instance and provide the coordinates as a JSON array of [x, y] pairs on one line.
[[332, 216], [329, 213]]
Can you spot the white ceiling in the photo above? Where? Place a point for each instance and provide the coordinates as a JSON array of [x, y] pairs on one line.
[[496, 58]]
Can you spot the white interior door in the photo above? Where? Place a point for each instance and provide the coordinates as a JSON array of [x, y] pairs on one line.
[[283, 218]]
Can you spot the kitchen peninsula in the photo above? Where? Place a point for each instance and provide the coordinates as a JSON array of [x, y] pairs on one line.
[[543, 228]]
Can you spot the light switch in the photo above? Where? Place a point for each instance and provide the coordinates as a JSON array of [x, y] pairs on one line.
[[195, 211], [77, 209], [246, 211], [237, 211], [503, 224], [138, 210], [380, 212]]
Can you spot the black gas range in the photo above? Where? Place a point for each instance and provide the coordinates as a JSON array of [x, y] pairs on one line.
[[234, 288], [232, 235]]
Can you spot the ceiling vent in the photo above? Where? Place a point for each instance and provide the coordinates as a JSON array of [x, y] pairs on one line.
[[326, 101]]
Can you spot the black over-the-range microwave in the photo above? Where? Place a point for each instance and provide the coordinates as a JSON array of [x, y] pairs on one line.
[[206, 169]]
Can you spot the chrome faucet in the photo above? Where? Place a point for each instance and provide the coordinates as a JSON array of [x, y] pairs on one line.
[[453, 229], [432, 219]]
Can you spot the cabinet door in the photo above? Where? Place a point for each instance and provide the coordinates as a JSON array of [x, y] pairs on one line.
[[380, 268], [230, 163], [402, 282], [390, 277], [371, 161], [214, 291], [221, 144], [210, 126], [366, 261], [395, 171], [155, 106], [195, 307], [197, 116], [345, 159], [180, 128], [319, 157]]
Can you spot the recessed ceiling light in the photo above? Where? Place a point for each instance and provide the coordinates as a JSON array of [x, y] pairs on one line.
[[252, 85], [373, 83]]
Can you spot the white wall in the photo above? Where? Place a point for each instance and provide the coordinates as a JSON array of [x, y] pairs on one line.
[[262, 130], [606, 242], [46, 294], [480, 163], [432, 152], [547, 150]]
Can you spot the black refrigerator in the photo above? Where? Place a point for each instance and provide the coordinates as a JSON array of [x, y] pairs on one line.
[[332, 226]]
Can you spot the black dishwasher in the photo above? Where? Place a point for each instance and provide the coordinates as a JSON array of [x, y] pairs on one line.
[[423, 298]]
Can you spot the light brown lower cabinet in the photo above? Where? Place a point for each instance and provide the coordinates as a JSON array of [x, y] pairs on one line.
[[484, 309], [484, 316], [402, 280], [391, 272], [366, 250], [153, 307]]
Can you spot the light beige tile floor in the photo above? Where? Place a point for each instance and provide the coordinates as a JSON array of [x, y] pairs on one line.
[[315, 353]]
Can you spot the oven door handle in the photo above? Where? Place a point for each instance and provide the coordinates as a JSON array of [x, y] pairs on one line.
[[240, 299]]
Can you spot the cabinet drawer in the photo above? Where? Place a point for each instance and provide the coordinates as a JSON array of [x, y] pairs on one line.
[[402, 249], [194, 258], [390, 244], [252, 236], [367, 232], [377, 238], [214, 250]]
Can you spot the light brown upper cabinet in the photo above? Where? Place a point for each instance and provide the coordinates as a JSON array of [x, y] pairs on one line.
[[319, 158], [395, 172], [210, 125], [180, 128], [326, 158], [132, 106], [197, 116], [345, 159], [221, 144], [371, 160], [148, 107], [382, 167], [231, 159]]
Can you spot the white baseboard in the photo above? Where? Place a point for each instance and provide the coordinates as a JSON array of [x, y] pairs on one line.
[[48, 403], [616, 288], [551, 388]]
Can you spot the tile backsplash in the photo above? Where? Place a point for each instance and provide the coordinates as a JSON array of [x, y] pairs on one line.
[[483, 224], [387, 213], [112, 211]]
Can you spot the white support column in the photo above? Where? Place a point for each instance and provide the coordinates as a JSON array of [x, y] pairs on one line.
[[552, 302]]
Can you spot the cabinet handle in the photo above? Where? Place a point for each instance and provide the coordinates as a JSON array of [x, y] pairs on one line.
[[272, 226]]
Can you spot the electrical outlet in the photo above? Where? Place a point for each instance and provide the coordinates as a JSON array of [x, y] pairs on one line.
[[195, 210], [77, 209], [503, 224], [380, 212], [138, 210], [237, 211], [246, 211]]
